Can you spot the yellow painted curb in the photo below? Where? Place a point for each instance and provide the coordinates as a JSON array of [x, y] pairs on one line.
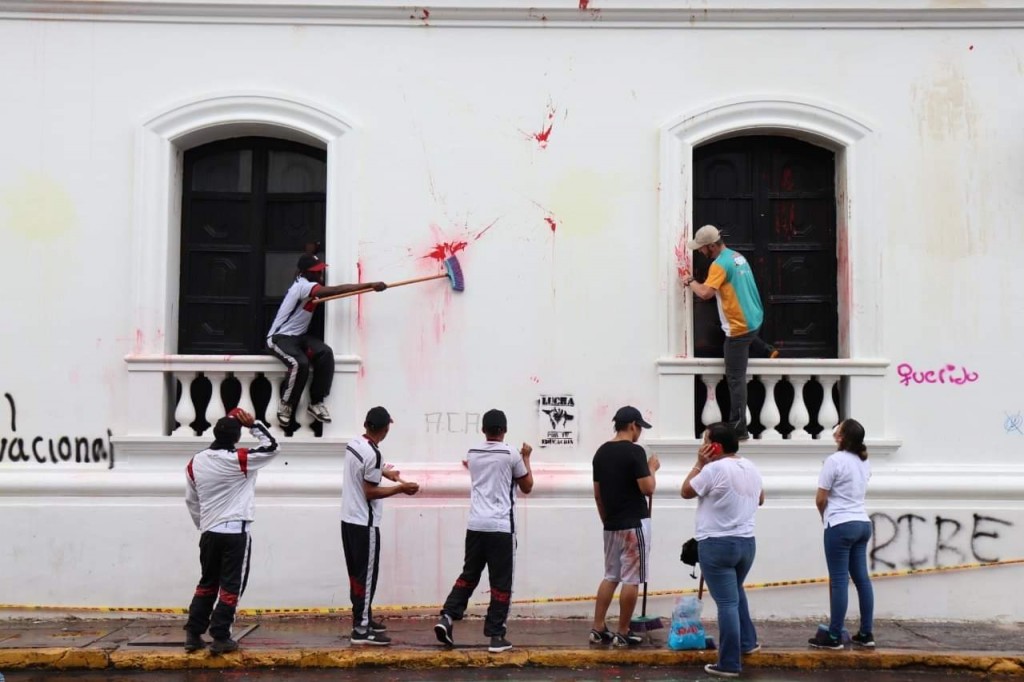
[[56, 658], [1008, 663]]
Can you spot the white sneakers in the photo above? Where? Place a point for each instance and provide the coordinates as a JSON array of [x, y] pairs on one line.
[[318, 411]]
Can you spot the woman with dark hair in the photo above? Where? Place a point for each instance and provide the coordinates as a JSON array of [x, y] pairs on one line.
[[842, 486], [728, 489]]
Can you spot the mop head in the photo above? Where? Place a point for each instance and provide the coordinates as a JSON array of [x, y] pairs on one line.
[[454, 271], [646, 624]]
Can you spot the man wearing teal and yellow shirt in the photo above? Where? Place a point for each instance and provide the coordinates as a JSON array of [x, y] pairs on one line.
[[731, 281]]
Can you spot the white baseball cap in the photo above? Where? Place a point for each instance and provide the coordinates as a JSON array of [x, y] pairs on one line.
[[706, 236]]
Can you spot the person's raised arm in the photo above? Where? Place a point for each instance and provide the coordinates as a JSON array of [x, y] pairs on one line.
[[326, 291], [648, 483], [525, 480]]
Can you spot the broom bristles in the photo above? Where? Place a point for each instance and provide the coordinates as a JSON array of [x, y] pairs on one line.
[[646, 624], [454, 271]]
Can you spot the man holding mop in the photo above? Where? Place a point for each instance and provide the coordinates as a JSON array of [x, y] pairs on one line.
[[623, 476]]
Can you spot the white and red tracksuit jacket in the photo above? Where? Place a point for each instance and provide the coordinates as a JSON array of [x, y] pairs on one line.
[[221, 480]]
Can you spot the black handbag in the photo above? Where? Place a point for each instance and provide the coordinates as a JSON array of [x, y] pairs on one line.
[[689, 555]]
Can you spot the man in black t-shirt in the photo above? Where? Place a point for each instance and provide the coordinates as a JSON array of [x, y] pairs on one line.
[[623, 476]]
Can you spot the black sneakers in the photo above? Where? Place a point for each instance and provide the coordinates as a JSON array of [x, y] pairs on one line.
[[223, 646], [601, 636], [443, 630], [499, 644], [713, 670], [377, 626], [629, 639], [823, 640], [864, 639], [193, 642], [370, 638]]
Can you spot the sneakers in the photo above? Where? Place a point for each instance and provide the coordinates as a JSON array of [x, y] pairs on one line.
[[377, 626], [284, 415], [318, 411], [499, 644], [713, 670], [223, 646], [742, 435], [864, 639], [193, 642], [752, 650], [774, 354], [443, 630], [370, 638], [601, 636], [629, 639], [823, 640]]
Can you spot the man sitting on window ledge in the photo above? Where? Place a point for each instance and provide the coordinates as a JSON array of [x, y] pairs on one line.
[[289, 341]]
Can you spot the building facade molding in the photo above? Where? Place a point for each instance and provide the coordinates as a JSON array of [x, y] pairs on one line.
[[754, 14]]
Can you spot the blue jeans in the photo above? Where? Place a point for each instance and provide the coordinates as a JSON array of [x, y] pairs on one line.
[[725, 563], [846, 547]]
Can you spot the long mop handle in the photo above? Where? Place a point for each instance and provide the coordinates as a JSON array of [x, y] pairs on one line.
[[390, 286]]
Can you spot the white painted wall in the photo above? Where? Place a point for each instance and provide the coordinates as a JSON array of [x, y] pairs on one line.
[[439, 117]]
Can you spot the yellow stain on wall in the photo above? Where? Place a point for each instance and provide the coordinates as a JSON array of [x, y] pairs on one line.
[[584, 201], [36, 207]]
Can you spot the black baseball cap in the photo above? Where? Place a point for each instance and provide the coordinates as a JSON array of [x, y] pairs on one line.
[[495, 420], [378, 417], [629, 415], [227, 429], [310, 263]]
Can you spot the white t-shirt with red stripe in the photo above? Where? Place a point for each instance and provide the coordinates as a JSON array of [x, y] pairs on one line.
[[220, 484], [296, 311]]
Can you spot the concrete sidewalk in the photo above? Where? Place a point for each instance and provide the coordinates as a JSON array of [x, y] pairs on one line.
[[155, 643]]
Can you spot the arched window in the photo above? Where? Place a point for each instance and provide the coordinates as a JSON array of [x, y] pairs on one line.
[[773, 198], [249, 207]]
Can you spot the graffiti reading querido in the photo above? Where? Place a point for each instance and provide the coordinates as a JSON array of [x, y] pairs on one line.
[[913, 541], [948, 374], [55, 449]]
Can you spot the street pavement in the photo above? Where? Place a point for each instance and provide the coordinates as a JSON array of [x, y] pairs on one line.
[[155, 643]]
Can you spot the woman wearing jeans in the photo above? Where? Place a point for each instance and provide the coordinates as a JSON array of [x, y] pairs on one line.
[[842, 486], [729, 491]]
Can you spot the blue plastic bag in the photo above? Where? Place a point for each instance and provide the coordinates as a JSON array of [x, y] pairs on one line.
[[686, 631]]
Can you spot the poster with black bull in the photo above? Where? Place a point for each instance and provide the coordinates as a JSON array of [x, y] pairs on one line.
[[557, 420]]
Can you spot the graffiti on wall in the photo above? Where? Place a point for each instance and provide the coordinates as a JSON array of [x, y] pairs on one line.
[[452, 422], [1014, 423], [557, 416], [53, 449], [914, 541], [947, 374]]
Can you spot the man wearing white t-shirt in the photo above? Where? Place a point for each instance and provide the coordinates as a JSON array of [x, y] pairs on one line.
[[289, 341], [495, 470], [361, 509]]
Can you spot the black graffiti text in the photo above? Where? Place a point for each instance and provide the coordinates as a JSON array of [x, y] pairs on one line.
[[53, 450], [913, 541]]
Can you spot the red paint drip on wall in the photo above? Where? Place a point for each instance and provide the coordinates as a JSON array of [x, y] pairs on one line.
[[545, 134], [359, 299], [584, 4], [552, 223], [683, 267]]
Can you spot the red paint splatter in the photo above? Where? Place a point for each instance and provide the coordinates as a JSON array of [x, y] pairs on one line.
[[683, 266], [971, 47], [545, 134], [424, 14], [443, 250], [535, 380], [584, 4], [787, 184], [551, 223], [139, 341], [481, 232], [359, 299]]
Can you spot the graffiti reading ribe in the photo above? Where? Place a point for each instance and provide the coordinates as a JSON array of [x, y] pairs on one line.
[[949, 374], [913, 541], [55, 450]]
